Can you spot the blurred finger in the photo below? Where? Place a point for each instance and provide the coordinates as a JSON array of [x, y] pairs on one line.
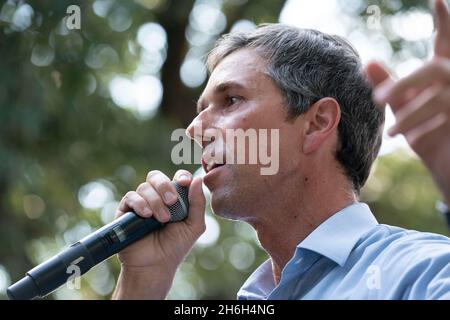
[[429, 135], [429, 103], [163, 186], [435, 71], [377, 74], [442, 18]]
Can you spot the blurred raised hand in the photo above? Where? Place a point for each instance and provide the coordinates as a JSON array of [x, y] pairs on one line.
[[421, 103]]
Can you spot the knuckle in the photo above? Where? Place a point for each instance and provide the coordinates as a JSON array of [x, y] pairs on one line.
[[441, 66], [162, 184], [152, 174], [132, 199], [154, 200], [128, 196], [142, 187], [437, 64], [140, 203], [118, 214]]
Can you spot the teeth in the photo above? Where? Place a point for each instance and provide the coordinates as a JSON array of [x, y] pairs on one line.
[[210, 166], [212, 158]]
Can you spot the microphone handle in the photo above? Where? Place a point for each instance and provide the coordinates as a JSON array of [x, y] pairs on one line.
[[81, 256]]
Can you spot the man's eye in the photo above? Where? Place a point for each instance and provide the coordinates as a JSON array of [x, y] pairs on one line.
[[232, 100]]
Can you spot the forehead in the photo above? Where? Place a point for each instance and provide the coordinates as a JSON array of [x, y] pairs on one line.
[[244, 66]]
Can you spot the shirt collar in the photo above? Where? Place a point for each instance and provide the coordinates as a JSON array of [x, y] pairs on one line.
[[337, 236], [259, 284]]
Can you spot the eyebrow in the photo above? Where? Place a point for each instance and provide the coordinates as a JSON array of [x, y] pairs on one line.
[[219, 88]]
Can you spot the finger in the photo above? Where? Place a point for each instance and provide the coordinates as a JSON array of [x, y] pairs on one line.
[[163, 186], [398, 102], [442, 18], [429, 103], [133, 201], [161, 212], [377, 74], [429, 135], [197, 202], [183, 177], [436, 71]]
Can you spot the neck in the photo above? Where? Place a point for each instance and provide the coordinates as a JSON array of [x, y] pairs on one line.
[[299, 215]]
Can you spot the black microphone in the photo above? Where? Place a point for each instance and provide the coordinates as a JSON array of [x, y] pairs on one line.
[[93, 249]]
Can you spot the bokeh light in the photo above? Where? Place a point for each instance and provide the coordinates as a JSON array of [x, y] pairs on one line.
[[152, 37], [94, 195], [211, 235], [142, 95], [5, 280]]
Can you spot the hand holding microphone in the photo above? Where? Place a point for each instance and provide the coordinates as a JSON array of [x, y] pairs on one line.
[[149, 254], [148, 266], [151, 198]]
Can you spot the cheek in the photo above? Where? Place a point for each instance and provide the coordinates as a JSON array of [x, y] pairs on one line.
[[250, 115], [290, 149], [238, 120]]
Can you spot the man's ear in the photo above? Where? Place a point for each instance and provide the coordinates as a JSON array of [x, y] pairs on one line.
[[321, 120]]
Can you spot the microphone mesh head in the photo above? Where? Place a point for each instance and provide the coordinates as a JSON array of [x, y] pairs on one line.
[[179, 210]]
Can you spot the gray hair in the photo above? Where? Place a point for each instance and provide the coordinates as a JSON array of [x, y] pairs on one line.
[[308, 65]]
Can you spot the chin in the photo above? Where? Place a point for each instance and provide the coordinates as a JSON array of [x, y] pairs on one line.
[[221, 204], [231, 203], [233, 193]]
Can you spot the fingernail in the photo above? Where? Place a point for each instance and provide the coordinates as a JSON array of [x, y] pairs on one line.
[[183, 177], [169, 197]]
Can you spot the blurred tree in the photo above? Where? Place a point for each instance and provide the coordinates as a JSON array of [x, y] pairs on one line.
[[60, 127]]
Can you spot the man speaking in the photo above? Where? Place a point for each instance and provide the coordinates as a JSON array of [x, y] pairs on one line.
[[321, 241]]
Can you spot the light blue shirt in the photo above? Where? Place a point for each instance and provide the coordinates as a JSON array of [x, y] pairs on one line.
[[351, 256]]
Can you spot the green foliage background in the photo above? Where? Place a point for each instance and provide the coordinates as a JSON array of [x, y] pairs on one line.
[[60, 129]]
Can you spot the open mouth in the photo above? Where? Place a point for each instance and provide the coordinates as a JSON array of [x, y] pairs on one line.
[[210, 165]]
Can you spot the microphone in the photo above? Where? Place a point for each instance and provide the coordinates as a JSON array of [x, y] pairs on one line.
[[93, 249]]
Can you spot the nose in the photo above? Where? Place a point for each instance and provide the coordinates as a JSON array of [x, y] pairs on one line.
[[195, 129], [203, 130]]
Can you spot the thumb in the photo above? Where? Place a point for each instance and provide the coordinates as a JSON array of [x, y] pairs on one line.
[[196, 216], [377, 73]]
